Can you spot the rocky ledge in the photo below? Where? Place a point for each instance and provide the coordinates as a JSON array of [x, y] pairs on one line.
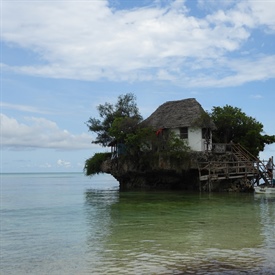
[[167, 172]]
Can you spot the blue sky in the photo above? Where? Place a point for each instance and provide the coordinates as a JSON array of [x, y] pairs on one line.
[[61, 59]]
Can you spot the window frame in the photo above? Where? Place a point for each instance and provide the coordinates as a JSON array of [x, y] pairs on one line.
[[184, 133]]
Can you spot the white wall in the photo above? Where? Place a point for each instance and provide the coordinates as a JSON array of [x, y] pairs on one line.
[[195, 140]]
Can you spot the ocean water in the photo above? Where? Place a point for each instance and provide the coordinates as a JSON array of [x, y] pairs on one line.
[[72, 224]]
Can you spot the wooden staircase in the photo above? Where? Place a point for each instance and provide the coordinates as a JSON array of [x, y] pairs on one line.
[[241, 154], [239, 164]]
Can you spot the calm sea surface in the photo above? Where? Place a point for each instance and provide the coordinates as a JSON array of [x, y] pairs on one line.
[[72, 224]]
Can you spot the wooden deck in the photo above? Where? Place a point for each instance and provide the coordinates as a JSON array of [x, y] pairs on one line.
[[239, 164]]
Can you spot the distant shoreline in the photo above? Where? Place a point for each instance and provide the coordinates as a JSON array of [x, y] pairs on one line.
[[33, 173]]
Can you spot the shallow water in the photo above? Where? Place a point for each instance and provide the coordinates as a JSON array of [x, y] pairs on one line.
[[71, 224]]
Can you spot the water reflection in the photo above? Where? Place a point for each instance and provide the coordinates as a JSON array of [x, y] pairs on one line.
[[267, 215], [178, 233], [97, 209]]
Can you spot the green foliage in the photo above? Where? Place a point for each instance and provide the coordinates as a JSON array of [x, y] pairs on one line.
[[176, 144], [176, 149], [140, 140], [93, 164], [145, 147], [109, 113], [234, 125], [122, 127]]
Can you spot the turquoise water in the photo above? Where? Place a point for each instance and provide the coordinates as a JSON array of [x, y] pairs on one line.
[[72, 224]]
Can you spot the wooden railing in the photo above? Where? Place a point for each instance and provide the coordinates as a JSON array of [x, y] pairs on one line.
[[245, 165], [226, 170]]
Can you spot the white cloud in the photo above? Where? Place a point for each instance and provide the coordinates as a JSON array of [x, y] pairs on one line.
[[90, 41], [45, 165], [236, 72], [264, 13], [250, 13], [63, 163], [257, 96], [40, 133], [23, 108]]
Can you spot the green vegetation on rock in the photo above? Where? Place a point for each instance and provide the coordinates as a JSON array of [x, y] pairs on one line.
[[234, 125], [93, 164]]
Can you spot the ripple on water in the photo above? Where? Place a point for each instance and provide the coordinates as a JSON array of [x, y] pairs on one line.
[[61, 226]]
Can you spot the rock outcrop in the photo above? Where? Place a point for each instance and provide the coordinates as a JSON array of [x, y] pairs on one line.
[[167, 172], [133, 175]]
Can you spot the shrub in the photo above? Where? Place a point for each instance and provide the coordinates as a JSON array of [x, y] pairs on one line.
[[93, 164]]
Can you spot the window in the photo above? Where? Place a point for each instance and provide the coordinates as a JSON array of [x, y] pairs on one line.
[[184, 133]]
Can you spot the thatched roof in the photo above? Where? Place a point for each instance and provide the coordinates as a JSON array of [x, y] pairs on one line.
[[180, 113]]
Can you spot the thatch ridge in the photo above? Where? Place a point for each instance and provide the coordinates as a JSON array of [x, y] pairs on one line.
[[174, 114]]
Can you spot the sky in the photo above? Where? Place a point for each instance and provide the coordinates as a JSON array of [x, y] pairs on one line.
[[61, 59]]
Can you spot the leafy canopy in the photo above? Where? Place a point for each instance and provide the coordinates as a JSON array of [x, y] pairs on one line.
[[115, 119], [234, 125]]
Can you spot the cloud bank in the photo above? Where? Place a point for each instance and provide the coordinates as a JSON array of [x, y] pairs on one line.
[[91, 41], [39, 133]]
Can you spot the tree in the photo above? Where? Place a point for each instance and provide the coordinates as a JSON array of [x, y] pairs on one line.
[[234, 125], [124, 112]]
